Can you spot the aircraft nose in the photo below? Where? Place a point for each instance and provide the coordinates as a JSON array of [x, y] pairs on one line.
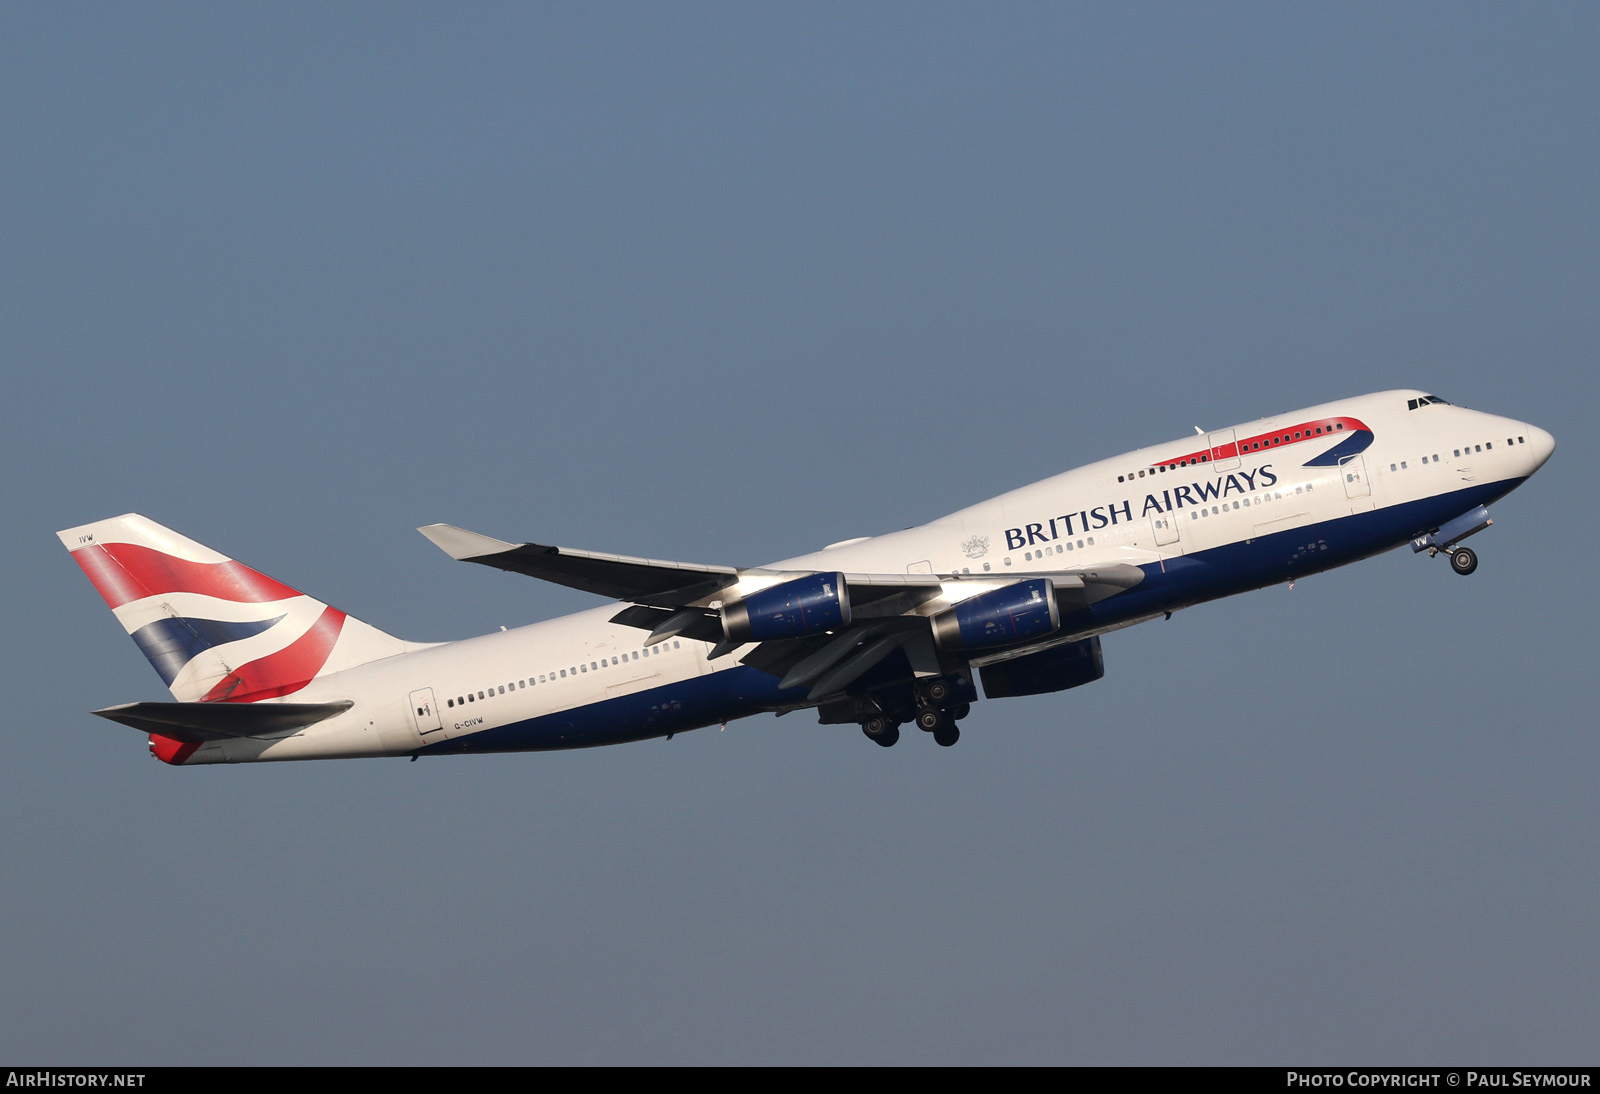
[[1540, 445]]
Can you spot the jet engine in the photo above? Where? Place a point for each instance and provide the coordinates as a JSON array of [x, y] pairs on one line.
[[1055, 669], [1004, 617], [806, 605]]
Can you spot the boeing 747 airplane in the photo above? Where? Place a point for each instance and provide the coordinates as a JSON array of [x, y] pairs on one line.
[[1013, 593]]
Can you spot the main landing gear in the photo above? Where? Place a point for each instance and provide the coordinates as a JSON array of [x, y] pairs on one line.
[[937, 709], [937, 713], [880, 730], [940, 723]]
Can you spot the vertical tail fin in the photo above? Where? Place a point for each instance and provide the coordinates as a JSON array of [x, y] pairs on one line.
[[213, 628]]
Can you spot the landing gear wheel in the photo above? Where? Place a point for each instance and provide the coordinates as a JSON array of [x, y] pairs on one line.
[[929, 721], [1463, 560], [881, 731], [946, 736], [935, 692]]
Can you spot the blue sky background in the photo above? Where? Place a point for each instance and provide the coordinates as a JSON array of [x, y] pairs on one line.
[[726, 283]]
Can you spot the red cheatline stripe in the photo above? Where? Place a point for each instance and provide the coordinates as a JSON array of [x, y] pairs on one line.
[[284, 672], [1263, 441], [125, 572]]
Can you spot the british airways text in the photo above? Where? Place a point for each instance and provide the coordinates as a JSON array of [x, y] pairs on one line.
[[1085, 520]]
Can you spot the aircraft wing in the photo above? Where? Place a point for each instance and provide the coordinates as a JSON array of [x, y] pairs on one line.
[[887, 612], [620, 577], [659, 591]]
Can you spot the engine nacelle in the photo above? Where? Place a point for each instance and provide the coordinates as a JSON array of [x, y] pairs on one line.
[[1004, 617], [806, 605], [1048, 670]]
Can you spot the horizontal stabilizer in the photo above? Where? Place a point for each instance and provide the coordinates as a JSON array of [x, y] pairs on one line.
[[195, 722]]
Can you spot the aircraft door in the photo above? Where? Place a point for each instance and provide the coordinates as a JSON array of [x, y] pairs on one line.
[[1224, 450], [1353, 469], [1165, 527], [425, 712]]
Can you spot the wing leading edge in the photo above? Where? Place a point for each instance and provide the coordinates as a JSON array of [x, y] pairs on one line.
[[620, 577]]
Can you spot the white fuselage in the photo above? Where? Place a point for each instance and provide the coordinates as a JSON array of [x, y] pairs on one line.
[[1203, 516]]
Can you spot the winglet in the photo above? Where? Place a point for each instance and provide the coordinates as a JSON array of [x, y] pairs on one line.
[[461, 544]]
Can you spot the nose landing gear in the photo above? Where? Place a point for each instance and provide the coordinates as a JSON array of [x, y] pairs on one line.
[[1448, 536]]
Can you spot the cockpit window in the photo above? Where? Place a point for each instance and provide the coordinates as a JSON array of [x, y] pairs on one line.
[[1413, 404]]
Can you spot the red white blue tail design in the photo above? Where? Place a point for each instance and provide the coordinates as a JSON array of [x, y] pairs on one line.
[[213, 628]]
